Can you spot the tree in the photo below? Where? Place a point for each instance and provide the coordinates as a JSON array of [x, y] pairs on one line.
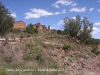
[[78, 28], [85, 32], [72, 26], [30, 29], [6, 21]]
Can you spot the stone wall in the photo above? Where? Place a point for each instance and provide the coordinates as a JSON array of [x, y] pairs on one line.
[[41, 28], [19, 24]]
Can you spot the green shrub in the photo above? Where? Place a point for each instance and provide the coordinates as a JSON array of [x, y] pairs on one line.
[[16, 31], [21, 36], [58, 47], [95, 51], [54, 66], [60, 32], [28, 35], [30, 29], [28, 57], [93, 41], [2, 51], [68, 64], [3, 73], [30, 45], [66, 47], [62, 56], [39, 58], [8, 59], [46, 46]]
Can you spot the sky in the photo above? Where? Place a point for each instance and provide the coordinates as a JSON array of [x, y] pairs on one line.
[[52, 12]]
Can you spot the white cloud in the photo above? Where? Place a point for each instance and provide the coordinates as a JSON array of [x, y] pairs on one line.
[[98, 10], [98, 1], [63, 11], [57, 13], [96, 30], [13, 15], [74, 4], [74, 18], [55, 5], [60, 23], [37, 13], [97, 23], [64, 2], [77, 9], [52, 28], [91, 9]]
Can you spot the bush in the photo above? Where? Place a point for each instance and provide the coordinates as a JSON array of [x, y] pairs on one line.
[[58, 47], [30, 29], [40, 58], [30, 45], [95, 51], [66, 47], [8, 59], [28, 57], [3, 73], [28, 35], [60, 32], [93, 41], [16, 31]]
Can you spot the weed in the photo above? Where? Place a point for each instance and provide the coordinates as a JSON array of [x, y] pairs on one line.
[[63, 56], [3, 73], [30, 45], [95, 51], [8, 59], [2, 51], [58, 47], [68, 64], [66, 47], [55, 66]]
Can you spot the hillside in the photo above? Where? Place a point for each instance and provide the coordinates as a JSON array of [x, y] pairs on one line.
[[38, 53]]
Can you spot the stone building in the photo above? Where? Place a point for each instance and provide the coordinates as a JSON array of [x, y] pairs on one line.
[[41, 28], [19, 25]]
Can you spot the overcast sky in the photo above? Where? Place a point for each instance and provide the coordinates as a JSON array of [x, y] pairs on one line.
[[52, 12]]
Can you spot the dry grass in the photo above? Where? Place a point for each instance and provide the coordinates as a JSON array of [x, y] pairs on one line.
[[37, 53]]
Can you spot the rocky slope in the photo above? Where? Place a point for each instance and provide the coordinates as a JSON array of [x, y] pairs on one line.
[[44, 51]]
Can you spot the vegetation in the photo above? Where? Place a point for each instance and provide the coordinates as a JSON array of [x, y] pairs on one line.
[[66, 47], [30, 29], [45, 50], [95, 51], [15, 31], [93, 41], [60, 32], [6, 21], [72, 26], [78, 28]]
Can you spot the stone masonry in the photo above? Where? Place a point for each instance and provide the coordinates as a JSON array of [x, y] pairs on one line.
[[19, 25], [41, 28]]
